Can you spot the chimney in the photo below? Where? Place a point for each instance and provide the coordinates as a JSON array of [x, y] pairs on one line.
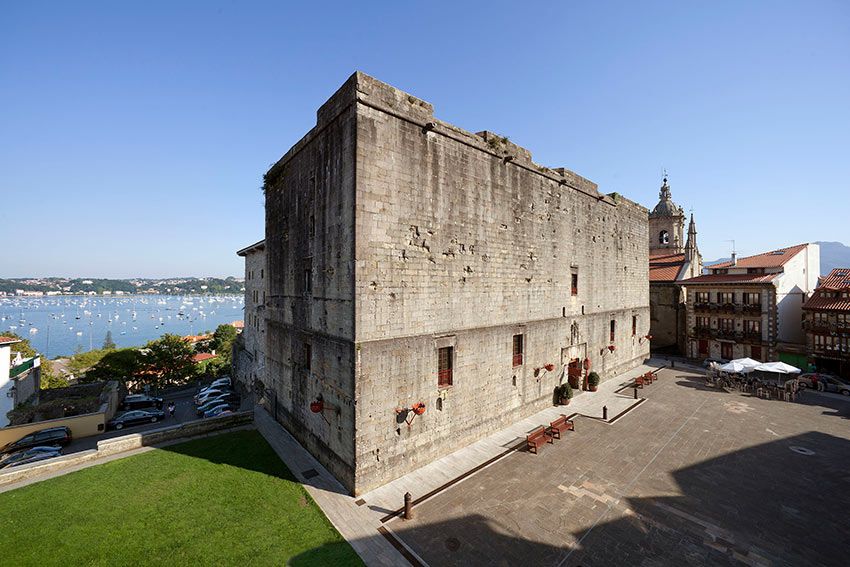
[[734, 259]]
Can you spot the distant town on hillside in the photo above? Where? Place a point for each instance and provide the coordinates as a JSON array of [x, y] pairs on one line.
[[99, 286]]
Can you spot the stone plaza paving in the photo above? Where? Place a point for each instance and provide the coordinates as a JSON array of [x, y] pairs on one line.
[[692, 476]]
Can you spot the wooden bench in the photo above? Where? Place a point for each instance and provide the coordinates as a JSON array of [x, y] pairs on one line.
[[639, 382], [537, 438], [560, 425]]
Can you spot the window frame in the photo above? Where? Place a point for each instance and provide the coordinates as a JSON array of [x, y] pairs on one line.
[[445, 373], [517, 350]]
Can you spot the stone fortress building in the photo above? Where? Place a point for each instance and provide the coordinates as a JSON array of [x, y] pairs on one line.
[[426, 285], [671, 260]]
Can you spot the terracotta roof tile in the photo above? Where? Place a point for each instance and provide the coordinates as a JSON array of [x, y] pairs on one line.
[[772, 259], [730, 279], [665, 266], [836, 282], [8, 340], [202, 356], [839, 278]]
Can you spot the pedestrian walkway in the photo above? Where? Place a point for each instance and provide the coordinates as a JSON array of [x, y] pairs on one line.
[[356, 524], [363, 521], [428, 480]]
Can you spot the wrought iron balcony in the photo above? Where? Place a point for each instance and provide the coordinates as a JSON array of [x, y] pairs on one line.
[[729, 334], [704, 332], [751, 309], [752, 336]]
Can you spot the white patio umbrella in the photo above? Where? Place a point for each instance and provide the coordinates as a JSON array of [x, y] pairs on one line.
[[735, 367], [777, 368], [740, 365], [748, 362]]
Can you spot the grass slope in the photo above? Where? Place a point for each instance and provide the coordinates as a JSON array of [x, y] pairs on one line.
[[224, 500]]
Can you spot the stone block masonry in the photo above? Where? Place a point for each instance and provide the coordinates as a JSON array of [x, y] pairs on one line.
[[405, 255]]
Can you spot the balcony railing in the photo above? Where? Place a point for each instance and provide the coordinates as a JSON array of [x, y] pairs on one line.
[[518, 359], [751, 309], [832, 350], [752, 336], [748, 309], [704, 332], [827, 327], [728, 308], [729, 334]]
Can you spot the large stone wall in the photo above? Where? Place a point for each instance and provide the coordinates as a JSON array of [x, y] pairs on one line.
[[310, 254], [462, 238]]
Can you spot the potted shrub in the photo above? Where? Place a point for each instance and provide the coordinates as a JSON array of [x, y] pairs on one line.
[[564, 393], [593, 381]]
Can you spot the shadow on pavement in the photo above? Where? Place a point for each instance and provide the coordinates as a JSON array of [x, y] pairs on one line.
[[758, 505]]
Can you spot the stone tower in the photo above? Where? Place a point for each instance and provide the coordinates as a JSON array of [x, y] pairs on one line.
[[666, 223], [693, 258]]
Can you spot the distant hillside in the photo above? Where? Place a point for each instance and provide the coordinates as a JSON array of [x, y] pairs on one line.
[[832, 255], [170, 286]]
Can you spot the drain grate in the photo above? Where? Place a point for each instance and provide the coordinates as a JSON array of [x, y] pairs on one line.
[[801, 450], [309, 473]]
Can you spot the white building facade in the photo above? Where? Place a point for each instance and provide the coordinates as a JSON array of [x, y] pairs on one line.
[[249, 358]]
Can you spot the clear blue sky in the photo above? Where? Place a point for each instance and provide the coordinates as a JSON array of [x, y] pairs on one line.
[[134, 136]]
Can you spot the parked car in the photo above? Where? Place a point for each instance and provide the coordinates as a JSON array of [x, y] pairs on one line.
[[218, 410], [219, 383], [230, 398], [49, 436], [834, 384], [141, 401], [135, 417], [210, 394], [31, 455], [810, 379]]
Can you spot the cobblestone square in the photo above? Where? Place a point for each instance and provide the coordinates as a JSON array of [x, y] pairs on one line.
[[691, 476]]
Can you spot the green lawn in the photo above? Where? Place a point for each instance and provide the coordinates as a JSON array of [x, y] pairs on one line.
[[224, 500]]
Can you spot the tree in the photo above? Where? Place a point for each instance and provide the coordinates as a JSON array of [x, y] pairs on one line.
[[24, 347], [51, 380], [124, 364], [168, 360], [108, 343], [222, 343], [81, 362]]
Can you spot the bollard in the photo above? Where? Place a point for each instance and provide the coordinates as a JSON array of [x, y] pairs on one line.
[[408, 506], [604, 413], [635, 392]]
